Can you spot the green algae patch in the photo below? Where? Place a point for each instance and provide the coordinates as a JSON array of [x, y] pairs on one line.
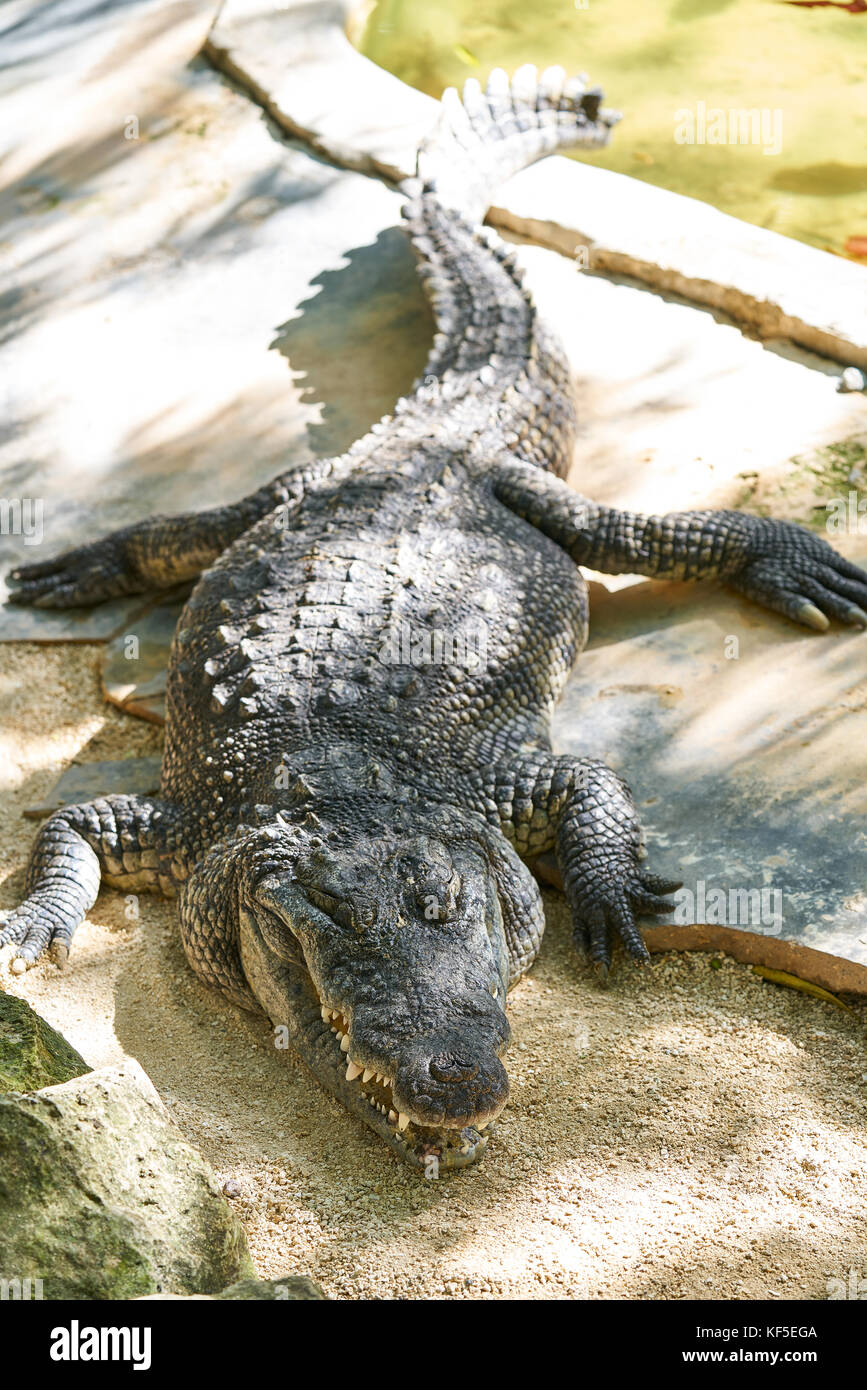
[[825, 489]]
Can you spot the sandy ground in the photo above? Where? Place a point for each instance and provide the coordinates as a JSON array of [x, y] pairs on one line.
[[692, 1132]]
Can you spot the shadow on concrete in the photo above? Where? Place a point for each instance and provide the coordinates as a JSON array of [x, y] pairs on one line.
[[360, 341]]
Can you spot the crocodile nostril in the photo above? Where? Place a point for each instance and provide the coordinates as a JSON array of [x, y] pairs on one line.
[[452, 1069]]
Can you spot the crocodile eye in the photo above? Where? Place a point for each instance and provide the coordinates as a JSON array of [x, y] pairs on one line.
[[326, 902], [435, 904]]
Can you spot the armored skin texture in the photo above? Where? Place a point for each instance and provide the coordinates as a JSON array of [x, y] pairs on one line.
[[358, 768]]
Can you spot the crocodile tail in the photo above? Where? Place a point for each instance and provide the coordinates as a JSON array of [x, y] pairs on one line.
[[495, 375], [480, 141]]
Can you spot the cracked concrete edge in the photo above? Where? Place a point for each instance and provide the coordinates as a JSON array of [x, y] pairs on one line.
[[771, 286], [295, 60]]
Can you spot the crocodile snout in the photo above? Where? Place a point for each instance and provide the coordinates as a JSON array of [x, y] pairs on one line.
[[452, 1087]]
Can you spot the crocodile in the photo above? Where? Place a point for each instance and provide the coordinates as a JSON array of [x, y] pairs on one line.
[[359, 775]]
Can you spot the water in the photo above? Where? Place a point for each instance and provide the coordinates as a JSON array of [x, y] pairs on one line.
[[803, 70]]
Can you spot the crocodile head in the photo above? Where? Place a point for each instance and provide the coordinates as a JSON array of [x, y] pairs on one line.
[[373, 934]]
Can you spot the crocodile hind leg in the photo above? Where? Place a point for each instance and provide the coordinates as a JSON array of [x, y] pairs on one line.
[[160, 552], [584, 812], [130, 842], [775, 563]]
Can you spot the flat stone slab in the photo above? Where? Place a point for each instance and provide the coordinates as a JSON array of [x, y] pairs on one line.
[[65, 624], [133, 665], [770, 285], [87, 781], [296, 60], [677, 409]]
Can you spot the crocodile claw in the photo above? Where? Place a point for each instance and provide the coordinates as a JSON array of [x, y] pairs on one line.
[[798, 574], [605, 910], [77, 578]]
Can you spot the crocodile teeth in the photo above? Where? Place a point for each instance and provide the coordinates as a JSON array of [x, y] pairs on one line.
[[352, 1070], [392, 1115], [326, 1014], [368, 1073], [402, 1120], [344, 1042]]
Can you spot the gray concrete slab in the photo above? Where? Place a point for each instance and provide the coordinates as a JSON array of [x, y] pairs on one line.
[[69, 625], [133, 665], [745, 744]]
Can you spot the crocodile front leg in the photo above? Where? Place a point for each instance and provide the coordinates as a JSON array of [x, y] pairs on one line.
[[131, 842], [160, 552], [776, 563], [584, 812]]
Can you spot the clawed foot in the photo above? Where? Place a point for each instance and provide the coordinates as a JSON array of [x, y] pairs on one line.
[[37, 926], [604, 909], [86, 575], [802, 576]]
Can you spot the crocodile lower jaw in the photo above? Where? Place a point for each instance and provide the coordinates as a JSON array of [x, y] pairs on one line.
[[416, 1143]]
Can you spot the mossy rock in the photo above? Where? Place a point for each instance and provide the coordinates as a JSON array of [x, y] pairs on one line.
[[33, 1054], [102, 1198], [292, 1287]]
